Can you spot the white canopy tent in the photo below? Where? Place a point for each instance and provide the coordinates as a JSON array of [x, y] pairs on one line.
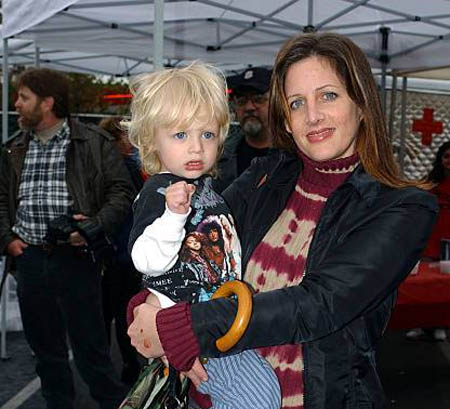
[[405, 34]]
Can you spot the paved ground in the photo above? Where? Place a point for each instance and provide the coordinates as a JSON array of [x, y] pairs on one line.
[[415, 375], [19, 386]]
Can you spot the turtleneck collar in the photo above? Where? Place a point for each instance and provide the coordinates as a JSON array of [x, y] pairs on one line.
[[329, 173]]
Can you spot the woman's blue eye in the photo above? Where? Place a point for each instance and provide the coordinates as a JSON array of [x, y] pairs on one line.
[[180, 135], [296, 104], [208, 135], [330, 96]]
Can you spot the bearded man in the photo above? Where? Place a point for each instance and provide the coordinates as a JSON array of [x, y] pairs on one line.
[[58, 169], [250, 100]]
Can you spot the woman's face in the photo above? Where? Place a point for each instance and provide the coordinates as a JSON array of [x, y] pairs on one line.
[[446, 160], [324, 120], [193, 243]]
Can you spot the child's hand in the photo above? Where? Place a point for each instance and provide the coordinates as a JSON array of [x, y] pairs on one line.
[[197, 374], [178, 197]]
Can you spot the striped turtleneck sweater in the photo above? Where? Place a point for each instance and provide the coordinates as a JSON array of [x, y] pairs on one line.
[[279, 259]]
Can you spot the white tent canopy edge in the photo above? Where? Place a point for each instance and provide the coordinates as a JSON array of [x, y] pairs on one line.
[[415, 33]]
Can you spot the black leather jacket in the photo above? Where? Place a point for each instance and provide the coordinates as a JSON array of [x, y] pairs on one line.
[[97, 179], [368, 238]]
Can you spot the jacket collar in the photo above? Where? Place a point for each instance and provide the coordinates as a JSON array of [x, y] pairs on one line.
[[366, 185], [19, 139], [77, 130], [286, 169]]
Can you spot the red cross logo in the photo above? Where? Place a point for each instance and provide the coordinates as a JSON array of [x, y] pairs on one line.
[[426, 126]]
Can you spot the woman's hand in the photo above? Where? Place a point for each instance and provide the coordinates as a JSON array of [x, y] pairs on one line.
[[143, 332]]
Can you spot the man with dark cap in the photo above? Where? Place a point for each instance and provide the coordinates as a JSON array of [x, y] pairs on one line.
[[250, 98]]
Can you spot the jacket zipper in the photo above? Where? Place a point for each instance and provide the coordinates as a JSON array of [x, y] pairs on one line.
[[308, 263]]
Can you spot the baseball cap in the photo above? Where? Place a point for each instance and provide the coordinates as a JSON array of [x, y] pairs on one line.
[[256, 79]]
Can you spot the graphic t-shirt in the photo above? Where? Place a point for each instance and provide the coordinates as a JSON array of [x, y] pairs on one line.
[[201, 255]]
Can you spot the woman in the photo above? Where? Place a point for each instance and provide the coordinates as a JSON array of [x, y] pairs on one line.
[[440, 177], [328, 231]]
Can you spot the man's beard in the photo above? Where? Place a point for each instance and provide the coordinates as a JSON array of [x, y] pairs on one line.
[[252, 126], [32, 119]]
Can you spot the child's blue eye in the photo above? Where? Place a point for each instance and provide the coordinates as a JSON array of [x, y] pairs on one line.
[[208, 135], [180, 135]]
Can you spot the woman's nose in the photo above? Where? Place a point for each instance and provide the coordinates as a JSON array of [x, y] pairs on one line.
[[314, 113]]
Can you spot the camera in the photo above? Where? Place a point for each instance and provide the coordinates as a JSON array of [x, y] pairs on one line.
[[60, 229]]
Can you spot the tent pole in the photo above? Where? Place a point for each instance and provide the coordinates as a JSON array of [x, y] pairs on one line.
[[37, 57], [393, 105], [5, 91], [158, 35], [383, 87], [310, 12], [402, 149], [384, 59]]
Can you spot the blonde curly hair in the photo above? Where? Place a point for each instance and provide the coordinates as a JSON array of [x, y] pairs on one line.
[[175, 97]]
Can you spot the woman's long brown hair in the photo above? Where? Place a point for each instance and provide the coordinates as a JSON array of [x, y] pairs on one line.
[[351, 65]]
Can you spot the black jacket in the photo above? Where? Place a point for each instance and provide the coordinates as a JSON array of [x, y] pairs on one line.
[[96, 176], [228, 163], [368, 238]]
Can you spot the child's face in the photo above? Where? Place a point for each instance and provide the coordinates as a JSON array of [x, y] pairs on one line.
[[190, 152]]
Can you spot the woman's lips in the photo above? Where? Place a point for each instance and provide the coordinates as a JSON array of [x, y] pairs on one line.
[[319, 135], [194, 165]]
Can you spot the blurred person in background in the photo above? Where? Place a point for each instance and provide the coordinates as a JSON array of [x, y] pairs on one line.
[[120, 279], [440, 177], [64, 190], [250, 100]]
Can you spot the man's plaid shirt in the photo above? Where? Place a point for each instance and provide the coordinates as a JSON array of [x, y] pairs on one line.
[[43, 193]]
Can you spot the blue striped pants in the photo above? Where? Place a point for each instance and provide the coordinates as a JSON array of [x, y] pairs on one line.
[[242, 381]]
